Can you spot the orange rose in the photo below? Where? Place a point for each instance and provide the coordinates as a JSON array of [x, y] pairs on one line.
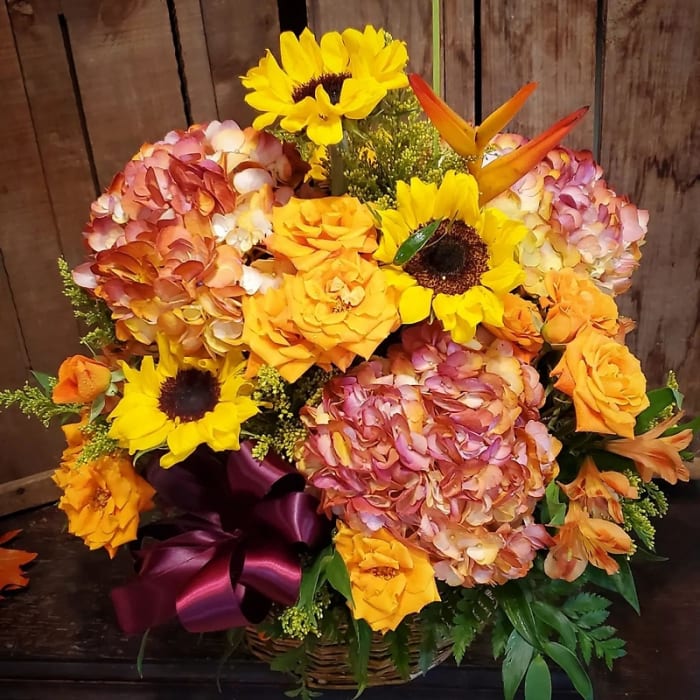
[[521, 326], [389, 579], [573, 302], [605, 381], [81, 380], [309, 231], [325, 316]]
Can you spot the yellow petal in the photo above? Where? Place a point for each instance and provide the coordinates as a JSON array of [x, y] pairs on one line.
[[414, 304]]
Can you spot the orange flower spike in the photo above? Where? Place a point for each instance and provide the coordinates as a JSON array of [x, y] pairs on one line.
[[499, 175], [654, 455], [81, 380], [471, 142], [600, 492]]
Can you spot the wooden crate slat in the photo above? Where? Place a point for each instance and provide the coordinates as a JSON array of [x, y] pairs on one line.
[[57, 122], [458, 56], [411, 22], [548, 41], [650, 146], [238, 32], [127, 74], [37, 326], [195, 57]]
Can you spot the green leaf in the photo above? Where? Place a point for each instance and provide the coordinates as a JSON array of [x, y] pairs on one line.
[[555, 508], [538, 681], [556, 619], [142, 653], [571, 665], [517, 659], [693, 425], [415, 242], [314, 577], [359, 655], [659, 399], [517, 608], [398, 648], [96, 408], [45, 381], [338, 576], [621, 582], [642, 554]]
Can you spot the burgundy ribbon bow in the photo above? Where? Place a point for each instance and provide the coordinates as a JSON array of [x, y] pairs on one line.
[[232, 555]]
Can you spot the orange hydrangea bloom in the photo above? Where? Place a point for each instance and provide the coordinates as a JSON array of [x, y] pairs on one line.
[[583, 540], [309, 231], [600, 492], [654, 455], [605, 381], [101, 498], [573, 302], [325, 316], [389, 578], [81, 380], [522, 324]]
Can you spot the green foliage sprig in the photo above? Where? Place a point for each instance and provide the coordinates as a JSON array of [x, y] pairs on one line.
[[36, 401]]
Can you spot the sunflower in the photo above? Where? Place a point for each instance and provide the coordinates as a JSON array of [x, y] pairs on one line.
[[464, 270], [345, 75], [182, 403]]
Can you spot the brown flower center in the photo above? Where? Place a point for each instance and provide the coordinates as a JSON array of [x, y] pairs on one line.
[[189, 395], [452, 262], [385, 572], [332, 82], [100, 499]]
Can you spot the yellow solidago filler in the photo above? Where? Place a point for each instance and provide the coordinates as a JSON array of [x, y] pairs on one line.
[[389, 579], [462, 274], [182, 403], [320, 83], [103, 497]]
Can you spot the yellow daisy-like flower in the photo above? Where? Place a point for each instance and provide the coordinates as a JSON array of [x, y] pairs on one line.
[[182, 403], [345, 75], [465, 269]]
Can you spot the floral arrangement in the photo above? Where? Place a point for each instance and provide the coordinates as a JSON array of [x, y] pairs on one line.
[[366, 359]]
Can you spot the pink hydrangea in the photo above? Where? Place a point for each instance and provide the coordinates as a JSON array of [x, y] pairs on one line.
[[575, 219], [441, 444], [170, 240]]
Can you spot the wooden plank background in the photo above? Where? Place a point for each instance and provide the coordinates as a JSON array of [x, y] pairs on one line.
[[85, 82]]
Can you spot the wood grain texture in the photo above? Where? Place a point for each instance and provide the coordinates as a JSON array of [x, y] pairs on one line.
[[195, 56], [410, 22], [548, 41], [28, 492], [56, 117], [237, 33], [650, 146], [43, 326], [458, 56], [127, 75]]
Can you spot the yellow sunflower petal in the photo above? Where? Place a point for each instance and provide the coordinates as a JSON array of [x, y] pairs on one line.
[[414, 304], [504, 277]]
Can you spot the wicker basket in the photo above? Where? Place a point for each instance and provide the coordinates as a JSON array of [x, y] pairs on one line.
[[328, 665]]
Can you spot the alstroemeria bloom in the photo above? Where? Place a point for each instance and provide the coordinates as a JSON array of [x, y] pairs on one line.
[[600, 492], [81, 380], [654, 455], [583, 540]]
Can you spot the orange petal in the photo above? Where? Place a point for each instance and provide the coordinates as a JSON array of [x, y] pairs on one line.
[[456, 131], [504, 171], [501, 116]]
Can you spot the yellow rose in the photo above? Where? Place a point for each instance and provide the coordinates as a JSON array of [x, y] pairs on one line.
[[521, 326], [573, 302], [389, 579], [605, 381]]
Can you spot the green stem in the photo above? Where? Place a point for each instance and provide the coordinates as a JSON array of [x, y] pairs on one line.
[[339, 183]]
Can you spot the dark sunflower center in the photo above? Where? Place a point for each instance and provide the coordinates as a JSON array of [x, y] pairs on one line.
[[189, 395], [452, 262], [332, 82]]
